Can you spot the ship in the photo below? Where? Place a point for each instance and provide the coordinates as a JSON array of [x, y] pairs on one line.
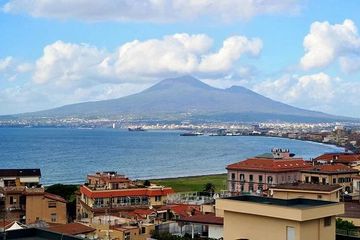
[[136, 129], [191, 134]]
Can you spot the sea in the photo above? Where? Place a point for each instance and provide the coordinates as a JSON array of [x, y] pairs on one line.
[[67, 155]]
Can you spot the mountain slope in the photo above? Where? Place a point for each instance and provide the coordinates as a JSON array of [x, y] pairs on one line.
[[184, 96]]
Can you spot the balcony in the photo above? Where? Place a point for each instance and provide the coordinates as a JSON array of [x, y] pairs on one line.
[[120, 205]]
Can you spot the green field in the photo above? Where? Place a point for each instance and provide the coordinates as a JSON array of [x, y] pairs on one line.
[[193, 184]]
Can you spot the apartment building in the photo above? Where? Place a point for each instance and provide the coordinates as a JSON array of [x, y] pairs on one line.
[[329, 174], [114, 193], [258, 218], [259, 173], [346, 158], [26, 201]]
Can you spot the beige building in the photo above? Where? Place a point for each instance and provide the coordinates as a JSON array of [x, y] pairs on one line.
[[306, 190], [328, 174], [26, 201], [259, 218]]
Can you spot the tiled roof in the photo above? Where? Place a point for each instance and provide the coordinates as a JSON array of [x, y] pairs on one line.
[[33, 172], [125, 192], [270, 165], [331, 169], [308, 187], [54, 197], [182, 210], [203, 219], [72, 229], [339, 157]]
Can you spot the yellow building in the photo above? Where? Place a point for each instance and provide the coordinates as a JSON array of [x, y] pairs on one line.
[[259, 218], [306, 190], [336, 173]]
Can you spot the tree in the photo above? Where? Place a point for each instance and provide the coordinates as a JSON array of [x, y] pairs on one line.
[[345, 225], [209, 188], [147, 183]]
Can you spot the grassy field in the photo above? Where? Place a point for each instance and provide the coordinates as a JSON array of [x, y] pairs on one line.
[[193, 184]]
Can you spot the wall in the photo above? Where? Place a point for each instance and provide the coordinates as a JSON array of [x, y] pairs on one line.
[[216, 231], [245, 226], [309, 195], [37, 206]]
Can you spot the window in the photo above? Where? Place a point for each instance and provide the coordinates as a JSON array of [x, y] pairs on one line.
[[233, 176], [51, 204], [327, 221], [143, 230], [251, 188], [307, 179], [242, 177], [53, 217], [334, 180], [251, 178], [127, 236], [260, 178], [290, 233], [323, 180], [270, 179], [157, 198], [319, 196], [11, 200]]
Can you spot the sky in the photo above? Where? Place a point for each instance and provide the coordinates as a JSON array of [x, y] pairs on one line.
[[303, 53]]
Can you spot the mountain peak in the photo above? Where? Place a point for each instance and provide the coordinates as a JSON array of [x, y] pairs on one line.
[[180, 82]]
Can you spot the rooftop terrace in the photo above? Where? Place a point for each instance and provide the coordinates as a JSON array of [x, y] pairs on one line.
[[293, 203]]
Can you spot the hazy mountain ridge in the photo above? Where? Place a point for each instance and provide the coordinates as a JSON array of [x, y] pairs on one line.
[[186, 96]]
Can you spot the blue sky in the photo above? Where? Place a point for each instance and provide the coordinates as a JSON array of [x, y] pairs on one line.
[[304, 53]]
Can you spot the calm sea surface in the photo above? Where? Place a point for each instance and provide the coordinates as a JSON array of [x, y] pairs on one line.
[[67, 155]]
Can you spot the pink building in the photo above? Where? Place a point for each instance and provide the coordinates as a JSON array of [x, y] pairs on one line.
[[259, 173]]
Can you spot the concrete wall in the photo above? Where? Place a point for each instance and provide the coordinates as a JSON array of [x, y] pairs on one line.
[[246, 226], [334, 197], [216, 231]]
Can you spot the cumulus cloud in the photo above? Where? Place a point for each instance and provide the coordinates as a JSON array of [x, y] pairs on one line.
[[318, 91], [10, 68], [151, 10], [68, 64], [328, 43], [5, 63]]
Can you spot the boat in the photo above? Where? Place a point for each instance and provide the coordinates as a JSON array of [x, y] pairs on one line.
[[191, 134], [136, 129]]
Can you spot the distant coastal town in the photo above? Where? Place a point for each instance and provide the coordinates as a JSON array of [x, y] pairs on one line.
[[342, 134]]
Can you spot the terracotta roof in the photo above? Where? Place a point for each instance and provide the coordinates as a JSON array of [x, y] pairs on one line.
[[339, 157], [203, 218], [331, 169], [308, 187], [72, 229], [125, 192], [269, 165], [54, 197], [182, 210]]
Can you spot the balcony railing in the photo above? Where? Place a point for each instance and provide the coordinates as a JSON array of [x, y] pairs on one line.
[[120, 205]]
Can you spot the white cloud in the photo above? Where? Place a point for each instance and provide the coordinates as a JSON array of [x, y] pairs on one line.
[[232, 49], [66, 64], [5, 63], [151, 10], [328, 43], [318, 91]]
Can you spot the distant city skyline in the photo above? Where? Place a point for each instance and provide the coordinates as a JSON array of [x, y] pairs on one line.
[[303, 53]]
